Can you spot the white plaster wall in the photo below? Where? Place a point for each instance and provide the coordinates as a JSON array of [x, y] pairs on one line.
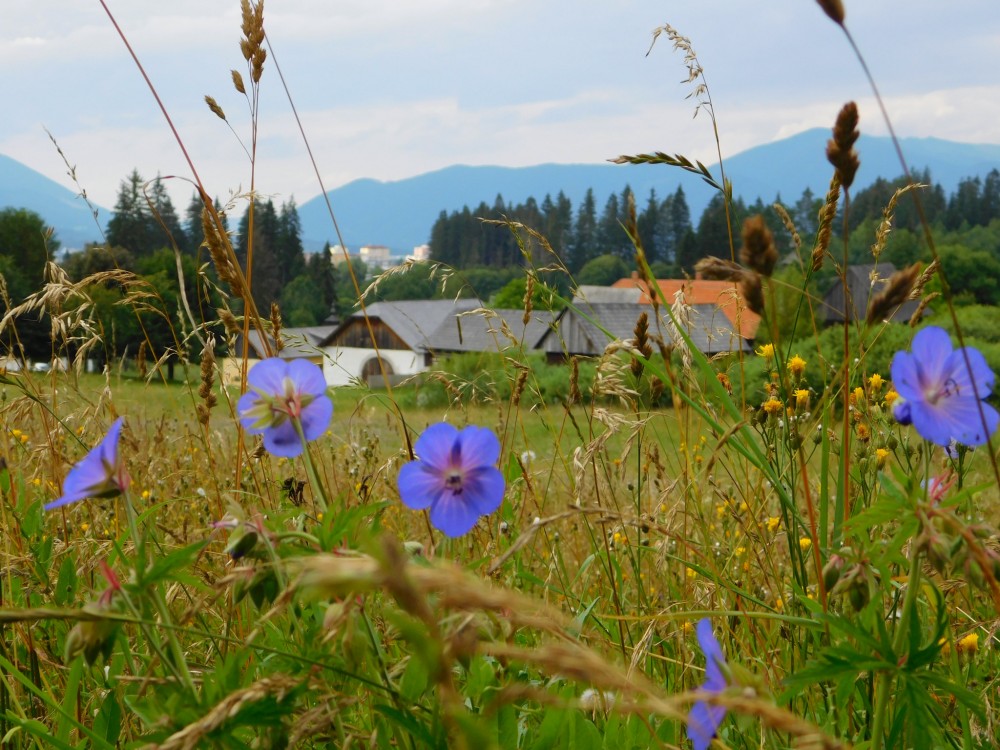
[[342, 365]]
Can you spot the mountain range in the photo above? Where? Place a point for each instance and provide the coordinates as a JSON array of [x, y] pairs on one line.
[[400, 213]]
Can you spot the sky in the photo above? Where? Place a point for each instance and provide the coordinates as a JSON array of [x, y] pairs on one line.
[[388, 89]]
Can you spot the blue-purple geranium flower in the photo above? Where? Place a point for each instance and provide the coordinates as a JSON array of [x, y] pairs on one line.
[[936, 386], [704, 720], [101, 473], [455, 476], [283, 397]]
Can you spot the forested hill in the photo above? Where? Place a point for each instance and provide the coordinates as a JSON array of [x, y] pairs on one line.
[[401, 214]]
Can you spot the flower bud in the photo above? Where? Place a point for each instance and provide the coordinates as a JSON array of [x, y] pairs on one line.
[[92, 638], [832, 571], [242, 545]]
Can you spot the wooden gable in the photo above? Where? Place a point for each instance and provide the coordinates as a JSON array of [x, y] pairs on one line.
[[355, 334]]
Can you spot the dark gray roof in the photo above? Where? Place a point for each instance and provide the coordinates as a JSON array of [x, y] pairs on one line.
[[481, 331], [298, 342], [859, 285], [412, 320], [579, 330]]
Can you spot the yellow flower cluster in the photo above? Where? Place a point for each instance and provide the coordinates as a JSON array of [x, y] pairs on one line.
[[796, 366]]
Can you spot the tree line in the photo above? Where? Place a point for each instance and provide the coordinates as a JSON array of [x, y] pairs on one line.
[[672, 242], [478, 244]]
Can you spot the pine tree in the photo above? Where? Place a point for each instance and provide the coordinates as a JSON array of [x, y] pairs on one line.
[[585, 233], [129, 228], [164, 224]]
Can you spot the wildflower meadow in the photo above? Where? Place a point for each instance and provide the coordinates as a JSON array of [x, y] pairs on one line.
[[790, 545]]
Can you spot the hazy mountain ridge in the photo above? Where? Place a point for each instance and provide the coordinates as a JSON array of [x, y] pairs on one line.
[[60, 207], [400, 213]]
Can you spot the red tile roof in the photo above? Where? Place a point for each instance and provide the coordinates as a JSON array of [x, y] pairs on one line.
[[725, 294]]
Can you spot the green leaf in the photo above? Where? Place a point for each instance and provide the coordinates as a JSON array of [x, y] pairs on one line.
[[65, 592], [169, 566]]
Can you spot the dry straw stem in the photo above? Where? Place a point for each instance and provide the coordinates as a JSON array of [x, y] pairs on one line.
[[840, 149], [824, 232], [758, 251], [896, 292]]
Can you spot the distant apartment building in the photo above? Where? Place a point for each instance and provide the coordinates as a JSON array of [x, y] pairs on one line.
[[376, 256], [339, 256], [421, 253]]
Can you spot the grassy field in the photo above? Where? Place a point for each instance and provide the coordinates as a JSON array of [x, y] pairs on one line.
[[782, 549]]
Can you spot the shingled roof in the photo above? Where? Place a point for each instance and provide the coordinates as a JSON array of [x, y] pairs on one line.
[[413, 321], [861, 288], [483, 330], [579, 331]]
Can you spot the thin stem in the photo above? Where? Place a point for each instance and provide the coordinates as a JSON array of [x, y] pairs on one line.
[[319, 491]]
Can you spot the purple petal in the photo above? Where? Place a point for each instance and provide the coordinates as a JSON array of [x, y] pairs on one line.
[[714, 658], [905, 377], [316, 417], [308, 377], [453, 515], [981, 374], [435, 444], [282, 440], [480, 447], [95, 473], [702, 723], [248, 401], [268, 376], [931, 348], [901, 412], [420, 485], [955, 418], [483, 489]]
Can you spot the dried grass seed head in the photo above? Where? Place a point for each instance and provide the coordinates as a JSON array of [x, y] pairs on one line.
[[834, 9], [840, 149], [896, 292], [758, 251]]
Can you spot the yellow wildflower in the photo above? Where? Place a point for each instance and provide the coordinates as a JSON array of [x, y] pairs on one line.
[[690, 572], [740, 551], [801, 399], [859, 395], [796, 366], [969, 644], [890, 398], [766, 351], [84, 526], [37, 482], [875, 382], [805, 543], [773, 523], [773, 406], [146, 494], [881, 454], [617, 538]]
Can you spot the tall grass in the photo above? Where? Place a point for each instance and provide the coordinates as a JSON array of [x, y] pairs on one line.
[[229, 598]]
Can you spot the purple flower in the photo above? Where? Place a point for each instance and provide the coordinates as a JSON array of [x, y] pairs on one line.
[[284, 394], [100, 473], [937, 390], [704, 719], [455, 476]]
